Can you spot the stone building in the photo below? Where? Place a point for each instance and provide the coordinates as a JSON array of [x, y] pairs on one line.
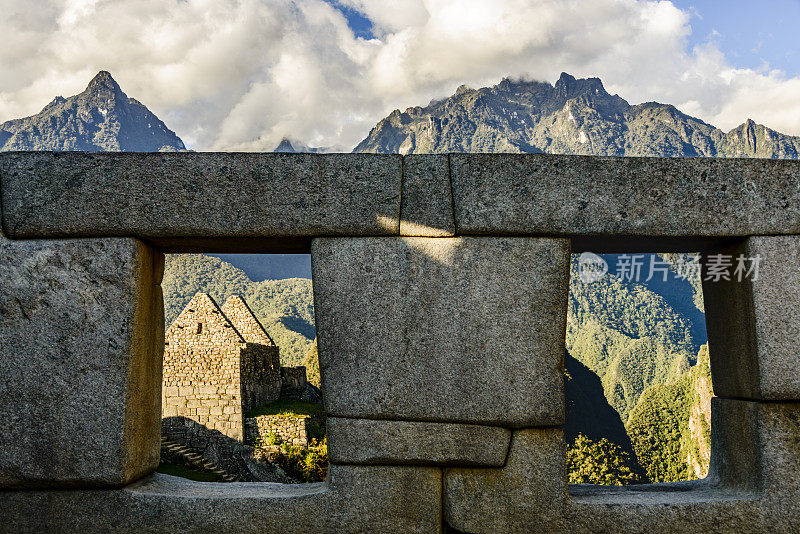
[[218, 364]]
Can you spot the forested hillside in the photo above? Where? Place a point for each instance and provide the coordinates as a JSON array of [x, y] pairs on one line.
[[670, 427], [629, 335], [640, 340]]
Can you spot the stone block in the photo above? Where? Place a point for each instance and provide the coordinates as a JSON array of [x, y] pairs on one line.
[[171, 198], [779, 453], [81, 335], [545, 194], [373, 442], [527, 494], [754, 324], [675, 507], [426, 202], [482, 338], [355, 499]]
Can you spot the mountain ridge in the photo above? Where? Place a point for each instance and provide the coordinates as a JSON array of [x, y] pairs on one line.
[[572, 116]]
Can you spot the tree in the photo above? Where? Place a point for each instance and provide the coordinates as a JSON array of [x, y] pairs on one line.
[[601, 462]]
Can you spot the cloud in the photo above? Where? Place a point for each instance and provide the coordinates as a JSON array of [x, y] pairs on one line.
[[241, 74]]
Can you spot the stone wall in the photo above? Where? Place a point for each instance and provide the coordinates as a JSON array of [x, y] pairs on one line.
[[202, 371], [290, 430], [260, 375], [230, 454], [218, 363], [293, 382], [441, 355]]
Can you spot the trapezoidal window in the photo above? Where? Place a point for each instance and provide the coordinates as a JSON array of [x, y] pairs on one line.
[[241, 397], [638, 384]]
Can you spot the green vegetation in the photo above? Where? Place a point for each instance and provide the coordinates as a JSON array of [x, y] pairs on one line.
[[304, 464], [600, 462], [284, 307], [197, 475], [659, 425], [630, 336], [288, 408], [311, 362]]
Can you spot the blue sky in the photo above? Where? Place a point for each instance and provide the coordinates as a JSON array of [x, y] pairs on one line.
[[358, 23], [750, 34]]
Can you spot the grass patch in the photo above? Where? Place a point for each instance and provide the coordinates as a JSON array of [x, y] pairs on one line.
[[187, 472], [288, 408]]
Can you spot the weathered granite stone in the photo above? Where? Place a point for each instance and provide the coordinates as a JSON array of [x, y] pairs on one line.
[[674, 507], [426, 202], [355, 499], [528, 494], [545, 194], [754, 324], [467, 330], [779, 448], [369, 441], [81, 335], [199, 195]]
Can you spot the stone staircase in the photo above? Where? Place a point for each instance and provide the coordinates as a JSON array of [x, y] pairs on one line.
[[196, 460]]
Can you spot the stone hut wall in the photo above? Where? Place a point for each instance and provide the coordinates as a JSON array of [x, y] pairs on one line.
[[293, 382], [292, 430], [260, 375], [202, 373]]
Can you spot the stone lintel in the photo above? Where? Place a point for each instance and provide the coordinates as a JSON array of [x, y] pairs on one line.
[[170, 197], [426, 200], [559, 195]]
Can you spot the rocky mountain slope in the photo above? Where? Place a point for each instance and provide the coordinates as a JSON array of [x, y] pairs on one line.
[[101, 118], [574, 116]]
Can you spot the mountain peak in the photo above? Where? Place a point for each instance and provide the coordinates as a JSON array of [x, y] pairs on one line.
[[101, 118], [103, 80], [289, 146], [463, 88], [568, 87], [565, 79], [285, 146]]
